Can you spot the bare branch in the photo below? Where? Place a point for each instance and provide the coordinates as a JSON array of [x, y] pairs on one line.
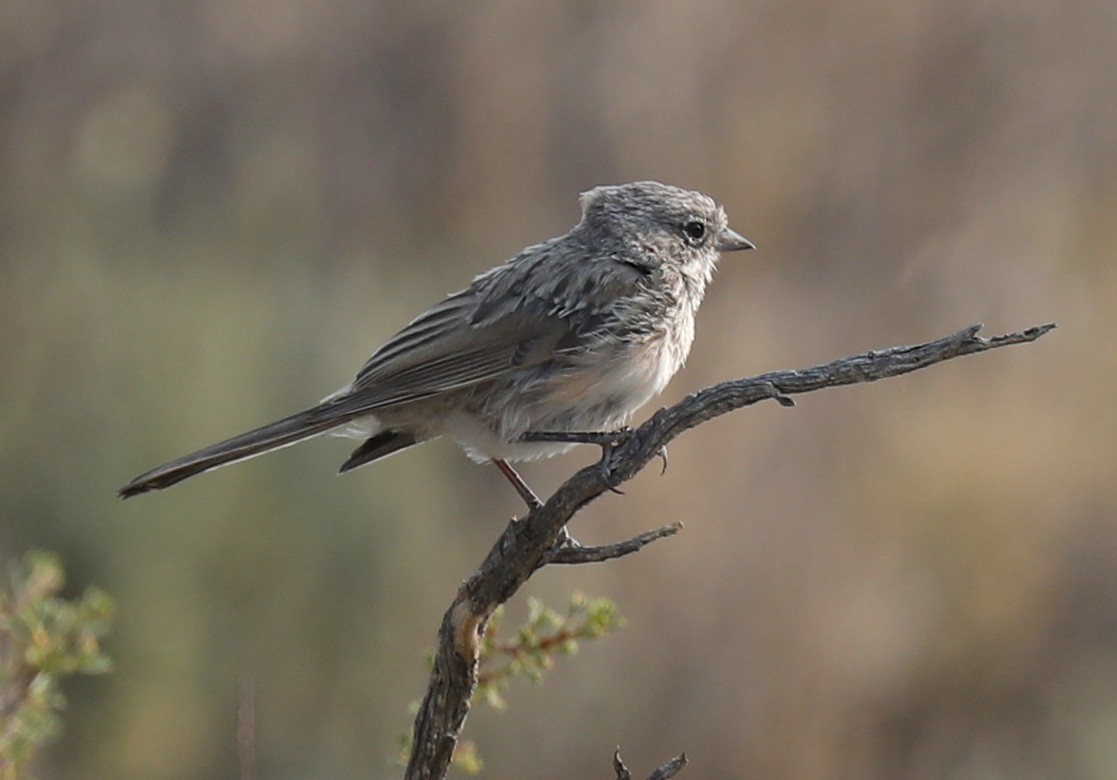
[[525, 545], [668, 770], [619, 767], [580, 554]]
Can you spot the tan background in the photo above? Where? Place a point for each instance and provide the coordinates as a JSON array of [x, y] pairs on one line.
[[211, 212]]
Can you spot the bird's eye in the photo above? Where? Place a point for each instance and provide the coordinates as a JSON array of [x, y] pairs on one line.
[[695, 230]]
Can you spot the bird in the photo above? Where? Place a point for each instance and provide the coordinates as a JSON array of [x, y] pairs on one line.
[[556, 346]]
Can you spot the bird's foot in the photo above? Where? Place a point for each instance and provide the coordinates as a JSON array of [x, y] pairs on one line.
[[608, 441]]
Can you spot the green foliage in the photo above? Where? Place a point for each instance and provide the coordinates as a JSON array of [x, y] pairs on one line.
[[529, 653], [543, 636], [43, 638]]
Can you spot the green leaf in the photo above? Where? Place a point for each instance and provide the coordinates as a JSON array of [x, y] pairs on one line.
[[47, 638]]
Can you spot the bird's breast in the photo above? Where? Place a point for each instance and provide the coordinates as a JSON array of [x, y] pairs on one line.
[[623, 372]]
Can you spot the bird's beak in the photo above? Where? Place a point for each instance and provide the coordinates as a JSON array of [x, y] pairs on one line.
[[732, 241]]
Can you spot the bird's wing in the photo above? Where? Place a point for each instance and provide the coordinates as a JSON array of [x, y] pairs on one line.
[[499, 324], [446, 349]]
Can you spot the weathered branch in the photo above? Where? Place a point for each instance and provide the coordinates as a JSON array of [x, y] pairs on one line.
[[526, 545], [665, 772], [607, 552]]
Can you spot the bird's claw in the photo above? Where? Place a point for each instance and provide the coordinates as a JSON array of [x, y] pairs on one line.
[[609, 441], [662, 453], [610, 479], [564, 541]]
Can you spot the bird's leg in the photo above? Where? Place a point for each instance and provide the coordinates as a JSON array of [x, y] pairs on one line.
[[608, 441], [533, 501], [526, 493]]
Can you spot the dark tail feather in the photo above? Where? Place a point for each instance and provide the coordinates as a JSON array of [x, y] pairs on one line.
[[269, 437], [379, 446]]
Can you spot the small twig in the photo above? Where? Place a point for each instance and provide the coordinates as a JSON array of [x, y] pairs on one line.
[[619, 767], [668, 770], [579, 554], [525, 545]]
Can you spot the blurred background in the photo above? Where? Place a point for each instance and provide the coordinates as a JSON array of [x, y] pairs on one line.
[[211, 212]]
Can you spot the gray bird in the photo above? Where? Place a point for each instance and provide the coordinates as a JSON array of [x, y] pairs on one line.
[[569, 337]]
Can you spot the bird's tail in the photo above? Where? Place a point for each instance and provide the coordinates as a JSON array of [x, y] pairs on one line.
[[281, 433]]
